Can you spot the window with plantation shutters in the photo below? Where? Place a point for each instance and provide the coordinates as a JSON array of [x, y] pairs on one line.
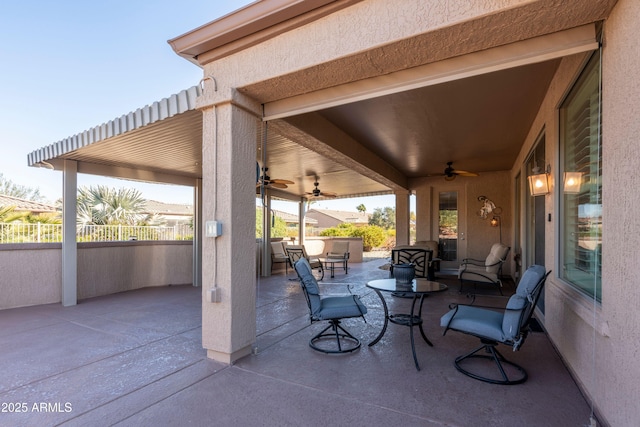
[[581, 208]]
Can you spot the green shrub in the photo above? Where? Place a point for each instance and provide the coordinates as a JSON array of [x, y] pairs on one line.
[[372, 236], [341, 230]]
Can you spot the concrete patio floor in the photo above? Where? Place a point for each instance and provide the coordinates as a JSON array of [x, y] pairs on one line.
[[135, 359]]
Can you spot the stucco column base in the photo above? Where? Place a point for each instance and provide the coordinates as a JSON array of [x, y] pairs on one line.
[[229, 358]]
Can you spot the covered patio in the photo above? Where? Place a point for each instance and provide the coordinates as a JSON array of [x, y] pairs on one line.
[[374, 96], [120, 360]]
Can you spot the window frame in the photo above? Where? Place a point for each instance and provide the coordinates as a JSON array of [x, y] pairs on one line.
[[566, 201]]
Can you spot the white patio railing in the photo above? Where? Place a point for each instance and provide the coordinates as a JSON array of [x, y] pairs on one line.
[[45, 233]]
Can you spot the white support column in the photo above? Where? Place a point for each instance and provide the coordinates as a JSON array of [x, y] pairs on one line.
[[402, 218], [266, 236], [197, 233], [302, 211], [424, 217], [69, 241], [228, 193]]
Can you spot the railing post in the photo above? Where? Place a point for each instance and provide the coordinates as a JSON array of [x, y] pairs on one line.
[[38, 233]]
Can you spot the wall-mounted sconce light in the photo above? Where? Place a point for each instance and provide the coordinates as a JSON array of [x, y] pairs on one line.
[[495, 221], [539, 182], [572, 182]]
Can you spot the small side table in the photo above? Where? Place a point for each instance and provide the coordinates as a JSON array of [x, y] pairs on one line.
[[331, 263]]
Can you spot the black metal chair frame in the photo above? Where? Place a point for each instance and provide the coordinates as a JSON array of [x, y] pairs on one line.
[[481, 263], [419, 257], [296, 253], [344, 257], [489, 345]]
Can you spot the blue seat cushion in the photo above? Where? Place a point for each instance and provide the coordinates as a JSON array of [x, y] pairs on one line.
[[340, 307], [475, 321]]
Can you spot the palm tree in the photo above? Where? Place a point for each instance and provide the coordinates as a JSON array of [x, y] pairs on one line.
[[8, 214], [103, 205], [361, 208]]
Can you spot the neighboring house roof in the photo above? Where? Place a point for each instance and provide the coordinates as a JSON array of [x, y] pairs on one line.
[[22, 205], [292, 218], [343, 216], [166, 209]]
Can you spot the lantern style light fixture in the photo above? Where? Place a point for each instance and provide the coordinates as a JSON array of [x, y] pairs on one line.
[[495, 221], [538, 182], [572, 182]]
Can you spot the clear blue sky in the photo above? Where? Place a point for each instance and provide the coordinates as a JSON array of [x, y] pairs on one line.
[[69, 65]]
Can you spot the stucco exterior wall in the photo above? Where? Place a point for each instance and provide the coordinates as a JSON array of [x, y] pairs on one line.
[[104, 270], [478, 234], [417, 33], [617, 385], [599, 342], [31, 273]]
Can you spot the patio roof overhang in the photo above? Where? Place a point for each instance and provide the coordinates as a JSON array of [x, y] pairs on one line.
[[472, 109], [160, 142]]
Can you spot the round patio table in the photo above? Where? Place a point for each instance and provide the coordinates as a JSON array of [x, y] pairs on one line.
[[418, 288]]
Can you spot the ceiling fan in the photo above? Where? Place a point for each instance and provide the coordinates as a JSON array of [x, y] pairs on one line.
[[450, 173], [317, 193], [267, 181]]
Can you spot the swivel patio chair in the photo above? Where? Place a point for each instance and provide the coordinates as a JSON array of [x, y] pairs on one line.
[[340, 250], [487, 271], [296, 252], [333, 309], [509, 327]]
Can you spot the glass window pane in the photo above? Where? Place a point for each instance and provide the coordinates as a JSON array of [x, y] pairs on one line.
[[581, 151], [448, 225]]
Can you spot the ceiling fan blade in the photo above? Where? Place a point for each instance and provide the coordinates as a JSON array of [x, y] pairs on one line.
[[282, 181], [277, 185], [329, 194], [465, 173]]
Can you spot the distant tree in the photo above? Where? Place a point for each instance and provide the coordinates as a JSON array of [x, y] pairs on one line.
[[9, 188], [361, 208], [103, 205], [278, 225], [8, 214], [383, 217]]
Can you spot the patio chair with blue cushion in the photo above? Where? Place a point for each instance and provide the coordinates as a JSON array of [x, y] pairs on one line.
[[331, 308], [509, 327]]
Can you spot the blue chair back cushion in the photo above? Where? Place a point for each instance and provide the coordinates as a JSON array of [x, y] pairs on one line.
[[513, 315], [309, 285], [336, 307]]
